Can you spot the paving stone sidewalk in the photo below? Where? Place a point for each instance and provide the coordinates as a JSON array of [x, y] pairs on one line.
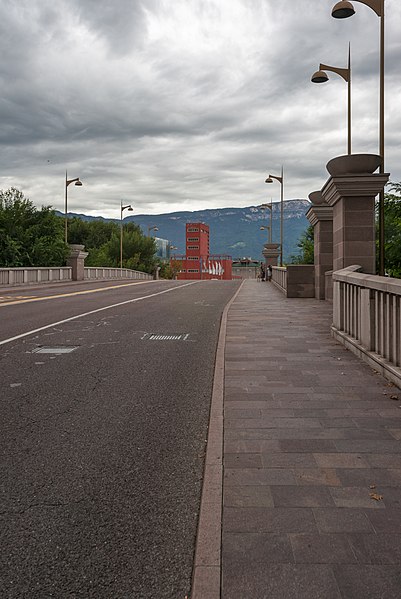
[[312, 458]]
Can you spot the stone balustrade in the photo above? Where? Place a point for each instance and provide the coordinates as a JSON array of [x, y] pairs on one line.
[[32, 275], [10, 277], [295, 280], [367, 318], [91, 273]]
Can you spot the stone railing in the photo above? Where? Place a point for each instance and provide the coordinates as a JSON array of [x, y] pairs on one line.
[[367, 318], [279, 278], [295, 280], [30, 276], [92, 273]]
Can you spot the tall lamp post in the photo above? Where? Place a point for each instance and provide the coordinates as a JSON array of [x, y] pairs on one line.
[[154, 228], [130, 209], [343, 10], [281, 181], [321, 77], [270, 228], [269, 232], [67, 183]]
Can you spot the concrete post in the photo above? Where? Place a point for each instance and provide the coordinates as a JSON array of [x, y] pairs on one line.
[[76, 260], [271, 252], [321, 218], [352, 197]]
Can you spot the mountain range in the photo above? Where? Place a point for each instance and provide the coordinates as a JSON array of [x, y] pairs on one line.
[[233, 231]]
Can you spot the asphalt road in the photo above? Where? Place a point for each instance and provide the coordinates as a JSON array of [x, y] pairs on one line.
[[102, 444]]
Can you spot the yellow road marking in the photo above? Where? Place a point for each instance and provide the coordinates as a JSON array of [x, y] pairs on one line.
[[50, 297]]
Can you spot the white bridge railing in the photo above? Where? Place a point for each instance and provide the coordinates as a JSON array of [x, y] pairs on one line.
[[279, 277], [367, 318], [28, 276], [115, 273], [31, 276]]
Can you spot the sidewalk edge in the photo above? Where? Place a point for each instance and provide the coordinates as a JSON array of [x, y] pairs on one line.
[[207, 561]]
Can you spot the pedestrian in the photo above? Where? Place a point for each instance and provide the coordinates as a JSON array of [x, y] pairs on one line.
[[262, 272], [269, 272]]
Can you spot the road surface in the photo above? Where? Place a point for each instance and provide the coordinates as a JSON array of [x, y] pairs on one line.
[[105, 395]]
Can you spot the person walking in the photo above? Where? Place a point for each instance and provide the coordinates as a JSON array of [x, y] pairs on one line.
[[269, 273]]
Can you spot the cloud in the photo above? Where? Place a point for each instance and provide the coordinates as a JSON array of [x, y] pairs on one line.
[[186, 105]]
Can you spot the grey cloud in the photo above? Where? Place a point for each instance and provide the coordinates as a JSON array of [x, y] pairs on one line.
[[185, 104]]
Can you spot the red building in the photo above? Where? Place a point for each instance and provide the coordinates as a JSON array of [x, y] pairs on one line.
[[197, 263]]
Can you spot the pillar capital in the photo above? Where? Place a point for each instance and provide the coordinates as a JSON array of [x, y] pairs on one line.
[[353, 186], [317, 214]]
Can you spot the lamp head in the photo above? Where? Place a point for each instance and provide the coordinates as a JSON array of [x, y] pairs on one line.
[[319, 77], [155, 228], [269, 180], [78, 182], [343, 10], [130, 209]]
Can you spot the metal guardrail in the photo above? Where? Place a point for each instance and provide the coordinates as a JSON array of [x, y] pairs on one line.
[[367, 316]]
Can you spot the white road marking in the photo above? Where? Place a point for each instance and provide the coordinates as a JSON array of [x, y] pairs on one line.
[[131, 301]]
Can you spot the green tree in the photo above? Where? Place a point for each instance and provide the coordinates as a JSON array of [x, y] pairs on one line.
[[306, 247], [392, 230], [28, 236]]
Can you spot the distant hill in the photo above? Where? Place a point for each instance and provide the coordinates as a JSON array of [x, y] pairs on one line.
[[233, 231]]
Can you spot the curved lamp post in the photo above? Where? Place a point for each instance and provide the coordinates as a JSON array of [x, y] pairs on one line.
[[269, 232], [67, 183], [122, 208], [264, 207], [154, 228], [321, 77], [281, 181], [342, 10]]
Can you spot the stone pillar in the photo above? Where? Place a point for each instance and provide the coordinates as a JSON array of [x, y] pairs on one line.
[[271, 253], [320, 216], [351, 191], [76, 260]]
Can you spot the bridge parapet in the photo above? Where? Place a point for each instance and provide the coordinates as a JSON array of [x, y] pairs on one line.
[[367, 318]]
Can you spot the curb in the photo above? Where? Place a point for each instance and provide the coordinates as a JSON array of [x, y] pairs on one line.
[[207, 561]]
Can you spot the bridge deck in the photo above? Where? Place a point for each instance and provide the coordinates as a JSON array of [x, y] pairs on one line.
[[312, 458]]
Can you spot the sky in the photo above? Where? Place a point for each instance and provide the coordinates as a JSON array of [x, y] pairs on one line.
[[173, 105]]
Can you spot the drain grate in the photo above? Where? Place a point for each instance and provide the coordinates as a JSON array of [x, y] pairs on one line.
[[55, 350], [161, 337]]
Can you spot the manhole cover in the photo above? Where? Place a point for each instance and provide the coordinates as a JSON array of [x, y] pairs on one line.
[[54, 350]]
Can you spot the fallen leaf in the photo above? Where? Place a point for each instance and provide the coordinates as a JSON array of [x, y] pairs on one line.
[[395, 397], [376, 497], [372, 487]]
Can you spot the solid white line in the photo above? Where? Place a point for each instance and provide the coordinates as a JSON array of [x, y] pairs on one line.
[[54, 324]]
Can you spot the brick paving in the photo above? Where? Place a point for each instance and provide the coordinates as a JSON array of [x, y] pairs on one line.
[[311, 433]]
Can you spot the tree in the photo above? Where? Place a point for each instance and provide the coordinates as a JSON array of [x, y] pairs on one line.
[[28, 236], [306, 246], [102, 242], [392, 230]]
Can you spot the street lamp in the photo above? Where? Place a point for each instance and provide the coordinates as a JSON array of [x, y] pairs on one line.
[[321, 77], [264, 207], [342, 10], [154, 228], [281, 181], [130, 209], [67, 183], [269, 232]]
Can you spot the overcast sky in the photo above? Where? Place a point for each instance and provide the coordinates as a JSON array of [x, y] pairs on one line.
[[186, 104]]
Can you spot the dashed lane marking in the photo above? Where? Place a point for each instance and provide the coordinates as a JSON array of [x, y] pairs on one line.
[[130, 301]]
